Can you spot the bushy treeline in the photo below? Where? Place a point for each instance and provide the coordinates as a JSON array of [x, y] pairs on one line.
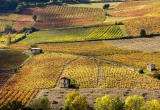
[[18, 5], [33, 0], [8, 4], [76, 101]]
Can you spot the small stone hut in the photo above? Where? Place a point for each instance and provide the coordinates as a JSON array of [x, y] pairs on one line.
[[151, 67], [36, 51], [65, 82]]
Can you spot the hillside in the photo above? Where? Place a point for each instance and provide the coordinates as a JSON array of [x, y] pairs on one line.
[[100, 50]]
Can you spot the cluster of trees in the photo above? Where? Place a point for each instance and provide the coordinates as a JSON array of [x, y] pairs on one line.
[[76, 101], [18, 5], [8, 4]]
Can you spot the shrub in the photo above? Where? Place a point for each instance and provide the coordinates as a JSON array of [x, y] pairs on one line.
[[156, 75], [103, 103], [140, 71], [134, 103], [119, 23], [41, 103], [106, 14], [75, 101], [153, 105], [106, 6], [143, 33]]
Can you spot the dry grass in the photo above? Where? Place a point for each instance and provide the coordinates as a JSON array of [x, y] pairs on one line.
[[142, 44]]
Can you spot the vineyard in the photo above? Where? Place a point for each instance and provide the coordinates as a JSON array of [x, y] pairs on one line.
[[106, 52], [140, 8], [40, 72], [3, 78], [83, 71], [11, 58], [57, 12], [74, 34], [21, 24], [68, 22], [90, 45], [45, 70], [136, 15], [54, 17], [14, 37], [4, 23], [19, 46], [150, 24], [25, 96], [102, 32]]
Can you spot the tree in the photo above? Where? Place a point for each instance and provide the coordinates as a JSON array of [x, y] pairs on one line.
[[117, 104], [134, 103], [75, 101], [103, 103], [41, 103], [153, 105], [8, 29], [20, 7], [106, 6], [34, 17], [142, 33]]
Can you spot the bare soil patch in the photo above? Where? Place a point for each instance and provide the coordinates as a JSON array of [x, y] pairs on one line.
[[142, 44]]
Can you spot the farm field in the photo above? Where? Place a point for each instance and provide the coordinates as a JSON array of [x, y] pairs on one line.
[[145, 15], [3, 78], [41, 72], [7, 19], [25, 96], [141, 44], [14, 37], [4, 23], [104, 51], [45, 70], [81, 42], [95, 5], [75, 34], [11, 58]]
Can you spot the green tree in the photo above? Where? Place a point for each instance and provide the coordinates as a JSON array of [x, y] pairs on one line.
[[34, 17], [75, 101], [153, 105], [41, 103], [103, 103], [117, 104], [20, 7], [134, 103], [143, 33], [106, 6]]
